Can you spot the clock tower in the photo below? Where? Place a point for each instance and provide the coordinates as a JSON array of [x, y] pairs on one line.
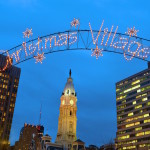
[[67, 121]]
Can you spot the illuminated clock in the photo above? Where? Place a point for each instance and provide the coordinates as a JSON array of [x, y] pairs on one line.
[[71, 102], [63, 102]]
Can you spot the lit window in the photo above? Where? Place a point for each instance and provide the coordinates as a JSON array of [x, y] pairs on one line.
[[117, 90], [121, 97], [130, 114], [144, 94], [135, 82], [134, 102], [128, 120], [139, 106], [147, 121], [144, 99], [4, 114], [129, 125], [145, 88], [137, 123], [140, 134], [146, 115], [124, 101], [139, 90], [133, 88], [138, 96], [137, 129], [124, 137]]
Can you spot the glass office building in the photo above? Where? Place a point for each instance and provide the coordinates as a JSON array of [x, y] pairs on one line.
[[133, 111], [9, 80]]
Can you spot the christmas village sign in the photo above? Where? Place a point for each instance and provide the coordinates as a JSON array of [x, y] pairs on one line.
[[97, 41]]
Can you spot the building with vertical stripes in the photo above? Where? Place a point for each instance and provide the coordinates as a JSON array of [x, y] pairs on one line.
[[133, 111], [9, 80]]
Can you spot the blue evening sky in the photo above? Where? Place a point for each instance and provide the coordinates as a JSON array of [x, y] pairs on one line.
[[94, 80]]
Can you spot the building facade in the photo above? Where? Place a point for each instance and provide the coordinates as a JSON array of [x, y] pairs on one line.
[[78, 145], [108, 147], [45, 141], [67, 122], [92, 147], [48, 145], [9, 80], [133, 111], [30, 138]]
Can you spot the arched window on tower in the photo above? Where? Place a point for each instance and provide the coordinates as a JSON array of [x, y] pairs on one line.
[[71, 127], [68, 92], [70, 113]]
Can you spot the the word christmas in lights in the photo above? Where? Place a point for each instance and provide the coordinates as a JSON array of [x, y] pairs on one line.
[[99, 40]]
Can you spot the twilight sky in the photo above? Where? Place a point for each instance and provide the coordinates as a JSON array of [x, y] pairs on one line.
[[94, 80]]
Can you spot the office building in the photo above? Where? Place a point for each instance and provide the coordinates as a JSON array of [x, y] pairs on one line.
[[30, 137], [133, 111], [9, 80]]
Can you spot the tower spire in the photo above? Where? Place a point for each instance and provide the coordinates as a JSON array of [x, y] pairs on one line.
[[70, 73], [66, 133], [40, 115]]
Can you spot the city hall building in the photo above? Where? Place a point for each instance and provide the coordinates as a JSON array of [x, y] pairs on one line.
[[133, 111]]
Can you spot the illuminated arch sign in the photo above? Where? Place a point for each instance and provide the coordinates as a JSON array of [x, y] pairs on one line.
[[97, 41]]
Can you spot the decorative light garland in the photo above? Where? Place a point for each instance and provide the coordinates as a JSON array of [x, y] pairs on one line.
[[123, 42], [97, 52], [39, 57], [127, 44], [105, 33], [75, 23], [133, 53], [96, 41], [144, 52], [132, 32], [8, 63], [109, 35], [27, 33]]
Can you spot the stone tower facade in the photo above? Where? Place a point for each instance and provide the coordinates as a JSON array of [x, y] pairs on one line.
[[67, 122]]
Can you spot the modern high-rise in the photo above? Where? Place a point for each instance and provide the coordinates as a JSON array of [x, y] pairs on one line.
[[67, 122], [133, 111], [9, 80]]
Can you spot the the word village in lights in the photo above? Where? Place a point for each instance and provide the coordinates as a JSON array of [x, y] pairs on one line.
[[98, 41]]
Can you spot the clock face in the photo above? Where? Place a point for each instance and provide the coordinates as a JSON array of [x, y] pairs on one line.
[[63, 102], [71, 102]]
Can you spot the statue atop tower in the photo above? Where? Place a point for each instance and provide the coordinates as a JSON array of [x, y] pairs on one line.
[[70, 73], [67, 121]]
